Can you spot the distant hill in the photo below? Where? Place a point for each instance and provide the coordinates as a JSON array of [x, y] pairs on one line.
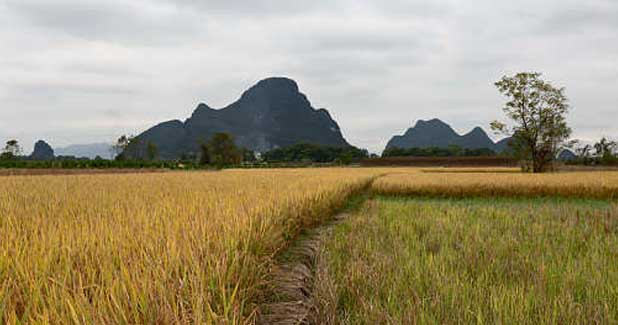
[[436, 133], [567, 155], [85, 150], [271, 114], [42, 151]]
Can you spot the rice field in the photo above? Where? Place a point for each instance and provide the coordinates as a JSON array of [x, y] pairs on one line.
[[199, 247], [454, 261], [154, 248], [498, 183]]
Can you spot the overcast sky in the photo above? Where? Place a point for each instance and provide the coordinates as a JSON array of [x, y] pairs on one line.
[[81, 71]]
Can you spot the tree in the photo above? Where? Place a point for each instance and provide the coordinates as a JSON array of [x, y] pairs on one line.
[[134, 150], [248, 155], [307, 152], [456, 150], [120, 146], [604, 147], [129, 147], [538, 111], [605, 151], [204, 154], [12, 150], [223, 151], [584, 154], [152, 152]]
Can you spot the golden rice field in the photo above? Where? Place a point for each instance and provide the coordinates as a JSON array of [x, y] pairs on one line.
[[498, 182], [196, 247], [154, 248]]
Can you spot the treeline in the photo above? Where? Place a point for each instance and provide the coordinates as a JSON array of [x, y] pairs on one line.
[[220, 152], [451, 151], [444, 161], [305, 152], [72, 163], [604, 153]]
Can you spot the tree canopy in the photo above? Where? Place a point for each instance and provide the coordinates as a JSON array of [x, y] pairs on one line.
[[315, 153], [11, 150], [223, 151], [537, 111]]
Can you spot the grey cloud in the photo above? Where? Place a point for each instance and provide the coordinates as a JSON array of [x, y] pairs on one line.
[[286, 8], [66, 89], [136, 22], [85, 69], [264, 8], [414, 8], [584, 17]]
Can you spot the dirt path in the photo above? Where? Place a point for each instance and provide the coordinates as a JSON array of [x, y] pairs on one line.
[[292, 296]]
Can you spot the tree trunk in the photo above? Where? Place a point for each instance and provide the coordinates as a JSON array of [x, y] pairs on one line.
[[536, 166]]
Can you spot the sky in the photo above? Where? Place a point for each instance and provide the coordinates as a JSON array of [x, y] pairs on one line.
[[83, 71]]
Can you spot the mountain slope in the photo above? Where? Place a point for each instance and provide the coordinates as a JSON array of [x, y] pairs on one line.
[[436, 133], [42, 151], [271, 114]]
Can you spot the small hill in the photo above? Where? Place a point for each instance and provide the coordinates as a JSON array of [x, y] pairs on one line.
[[567, 155], [436, 133], [42, 151], [271, 114]]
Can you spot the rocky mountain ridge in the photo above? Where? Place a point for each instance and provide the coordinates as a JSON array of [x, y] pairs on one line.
[[436, 133]]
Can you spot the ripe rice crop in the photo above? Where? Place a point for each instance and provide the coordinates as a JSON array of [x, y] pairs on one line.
[[597, 185], [154, 248]]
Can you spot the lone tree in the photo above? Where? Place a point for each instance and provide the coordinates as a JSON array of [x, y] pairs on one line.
[[223, 151], [12, 150], [538, 111]]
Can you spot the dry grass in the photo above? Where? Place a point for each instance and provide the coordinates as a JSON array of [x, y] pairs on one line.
[[471, 170], [597, 185], [154, 248]]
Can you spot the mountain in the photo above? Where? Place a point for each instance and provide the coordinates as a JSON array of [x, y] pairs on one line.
[[502, 145], [436, 133], [271, 114], [42, 151], [567, 155], [86, 150]]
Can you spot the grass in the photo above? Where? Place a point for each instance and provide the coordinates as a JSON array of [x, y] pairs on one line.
[[510, 261], [173, 247], [594, 185]]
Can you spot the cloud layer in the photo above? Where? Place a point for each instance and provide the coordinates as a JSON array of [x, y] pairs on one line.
[[78, 71]]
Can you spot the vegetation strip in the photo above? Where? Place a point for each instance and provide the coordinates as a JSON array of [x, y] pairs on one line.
[[294, 295], [292, 290], [89, 171]]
